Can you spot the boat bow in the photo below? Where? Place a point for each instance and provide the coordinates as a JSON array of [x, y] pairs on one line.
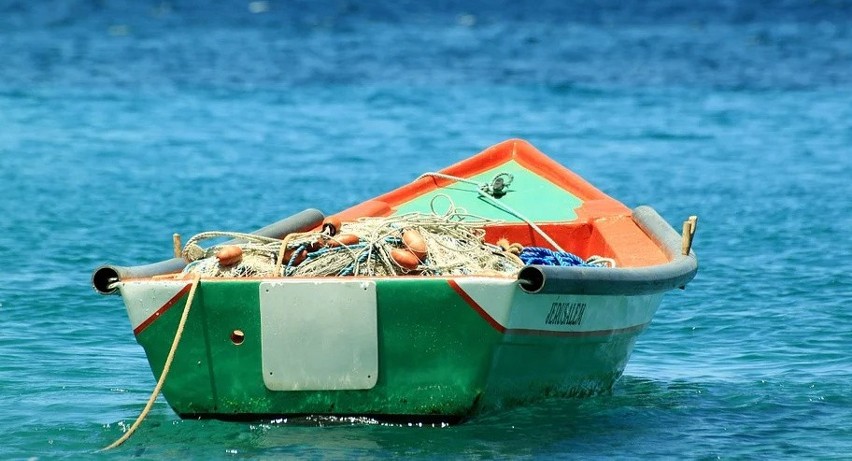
[[679, 271]]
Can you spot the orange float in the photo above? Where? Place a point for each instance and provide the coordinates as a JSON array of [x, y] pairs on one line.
[[405, 258], [343, 239], [415, 243], [229, 255], [288, 255]]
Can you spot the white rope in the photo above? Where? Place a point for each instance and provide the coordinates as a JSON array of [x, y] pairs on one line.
[[450, 177], [481, 190]]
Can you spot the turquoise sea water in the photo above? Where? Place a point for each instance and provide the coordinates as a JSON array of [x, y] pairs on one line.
[[121, 124]]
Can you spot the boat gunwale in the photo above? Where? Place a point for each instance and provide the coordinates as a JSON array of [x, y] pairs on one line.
[[533, 279], [596, 203], [622, 280], [676, 273]]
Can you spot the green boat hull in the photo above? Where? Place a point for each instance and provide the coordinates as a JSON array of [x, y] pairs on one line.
[[444, 349]]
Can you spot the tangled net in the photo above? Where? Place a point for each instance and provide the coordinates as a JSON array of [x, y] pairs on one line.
[[454, 243]]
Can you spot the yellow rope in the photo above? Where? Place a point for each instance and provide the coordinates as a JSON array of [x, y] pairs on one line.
[[279, 261], [195, 282]]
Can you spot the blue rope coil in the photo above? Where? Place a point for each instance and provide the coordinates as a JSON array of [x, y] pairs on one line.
[[350, 269], [547, 257]]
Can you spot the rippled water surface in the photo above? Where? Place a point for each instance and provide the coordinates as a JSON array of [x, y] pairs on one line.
[[120, 125]]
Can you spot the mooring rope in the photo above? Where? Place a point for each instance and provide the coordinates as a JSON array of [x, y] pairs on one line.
[[166, 367]]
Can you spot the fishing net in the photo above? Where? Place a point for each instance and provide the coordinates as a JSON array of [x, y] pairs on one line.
[[454, 245]]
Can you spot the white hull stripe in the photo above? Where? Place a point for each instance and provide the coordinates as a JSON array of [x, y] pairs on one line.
[[498, 302], [479, 310], [146, 302], [510, 311]]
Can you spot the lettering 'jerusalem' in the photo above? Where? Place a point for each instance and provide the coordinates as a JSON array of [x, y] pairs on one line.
[[565, 314]]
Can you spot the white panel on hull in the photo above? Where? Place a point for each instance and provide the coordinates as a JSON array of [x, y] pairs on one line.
[[319, 335], [144, 299]]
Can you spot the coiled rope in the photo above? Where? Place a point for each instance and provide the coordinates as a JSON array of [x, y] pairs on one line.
[[166, 367], [547, 257]]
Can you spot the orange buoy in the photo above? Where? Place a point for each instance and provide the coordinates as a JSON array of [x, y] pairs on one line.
[[343, 239], [405, 258], [331, 225], [288, 255], [412, 240], [229, 255]]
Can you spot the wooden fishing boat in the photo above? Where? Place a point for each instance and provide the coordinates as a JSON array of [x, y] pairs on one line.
[[418, 345]]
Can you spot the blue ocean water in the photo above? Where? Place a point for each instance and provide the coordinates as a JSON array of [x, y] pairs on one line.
[[124, 122]]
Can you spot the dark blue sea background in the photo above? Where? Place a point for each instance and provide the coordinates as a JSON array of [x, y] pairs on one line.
[[124, 122]]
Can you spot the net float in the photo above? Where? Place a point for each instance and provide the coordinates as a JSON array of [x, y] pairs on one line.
[[288, 255], [229, 255], [415, 243], [405, 258], [343, 239]]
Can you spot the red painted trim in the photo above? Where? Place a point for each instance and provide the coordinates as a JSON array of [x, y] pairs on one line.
[[162, 310], [479, 310], [537, 162]]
